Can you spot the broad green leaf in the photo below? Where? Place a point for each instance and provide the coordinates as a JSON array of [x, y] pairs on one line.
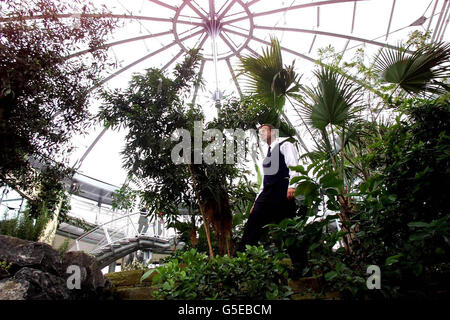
[[330, 275], [299, 168], [393, 259], [419, 236], [418, 224], [331, 180], [305, 188], [297, 179]]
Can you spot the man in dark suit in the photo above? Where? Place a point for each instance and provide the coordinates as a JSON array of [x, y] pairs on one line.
[[275, 200]]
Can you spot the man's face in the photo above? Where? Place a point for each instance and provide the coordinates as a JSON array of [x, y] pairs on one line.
[[264, 133]]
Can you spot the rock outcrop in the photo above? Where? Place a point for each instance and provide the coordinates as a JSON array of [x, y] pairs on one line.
[[37, 272], [34, 284], [23, 253]]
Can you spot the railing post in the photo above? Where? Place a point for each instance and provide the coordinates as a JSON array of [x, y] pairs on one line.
[[108, 238], [134, 227], [77, 243]]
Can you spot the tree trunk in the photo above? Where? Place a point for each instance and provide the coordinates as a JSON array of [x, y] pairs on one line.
[[200, 204], [49, 232], [215, 210], [346, 213]]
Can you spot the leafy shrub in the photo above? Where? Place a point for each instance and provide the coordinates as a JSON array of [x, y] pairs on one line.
[[333, 267], [136, 265], [401, 219], [403, 215], [253, 275], [24, 226]]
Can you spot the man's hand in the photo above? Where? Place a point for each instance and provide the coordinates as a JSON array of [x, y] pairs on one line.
[[251, 210], [290, 193]]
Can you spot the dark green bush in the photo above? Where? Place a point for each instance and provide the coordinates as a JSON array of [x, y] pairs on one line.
[[333, 267], [253, 275], [24, 226], [404, 217], [401, 219]]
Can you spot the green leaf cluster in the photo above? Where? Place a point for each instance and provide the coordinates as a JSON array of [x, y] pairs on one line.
[[24, 226], [251, 275]]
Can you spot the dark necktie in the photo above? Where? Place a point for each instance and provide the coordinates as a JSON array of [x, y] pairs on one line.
[[268, 152]]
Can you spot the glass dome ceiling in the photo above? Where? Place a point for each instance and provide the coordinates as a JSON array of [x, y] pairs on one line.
[[157, 34]]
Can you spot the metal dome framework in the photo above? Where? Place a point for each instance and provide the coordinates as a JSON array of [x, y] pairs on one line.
[[219, 25], [231, 34], [227, 29]]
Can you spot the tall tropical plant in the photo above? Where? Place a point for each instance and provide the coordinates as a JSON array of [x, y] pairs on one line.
[[44, 95], [268, 78], [331, 108], [271, 82], [153, 107]]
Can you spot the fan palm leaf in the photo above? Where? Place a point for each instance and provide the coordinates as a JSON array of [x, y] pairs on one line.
[[267, 78], [272, 83], [331, 101], [417, 72]]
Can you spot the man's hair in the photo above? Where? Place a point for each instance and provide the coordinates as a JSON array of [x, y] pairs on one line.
[[266, 125]]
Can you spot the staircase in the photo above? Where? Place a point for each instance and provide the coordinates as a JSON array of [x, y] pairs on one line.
[[108, 254], [120, 237]]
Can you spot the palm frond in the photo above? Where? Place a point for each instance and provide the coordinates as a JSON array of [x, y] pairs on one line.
[[353, 133], [331, 101], [266, 76], [417, 72]]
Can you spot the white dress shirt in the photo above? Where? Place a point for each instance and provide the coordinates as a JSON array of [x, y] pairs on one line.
[[289, 152]]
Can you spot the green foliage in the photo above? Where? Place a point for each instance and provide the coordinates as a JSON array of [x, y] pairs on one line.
[[326, 182], [24, 226], [385, 179], [136, 265], [52, 194], [44, 90], [418, 39], [4, 265], [64, 247], [152, 108], [332, 102], [249, 112], [269, 79], [253, 275], [124, 198], [403, 211], [401, 219], [332, 108], [416, 72], [270, 84], [330, 265]]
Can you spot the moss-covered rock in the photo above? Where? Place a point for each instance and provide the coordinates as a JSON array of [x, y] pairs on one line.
[[127, 285], [38, 272], [134, 293], [310, 295], [129, 278], [310, 288]]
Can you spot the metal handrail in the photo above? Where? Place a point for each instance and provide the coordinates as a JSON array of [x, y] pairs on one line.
[[102, 243], [101, 225]]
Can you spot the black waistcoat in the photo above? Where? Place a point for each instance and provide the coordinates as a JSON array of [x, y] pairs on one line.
[[276, 177]]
